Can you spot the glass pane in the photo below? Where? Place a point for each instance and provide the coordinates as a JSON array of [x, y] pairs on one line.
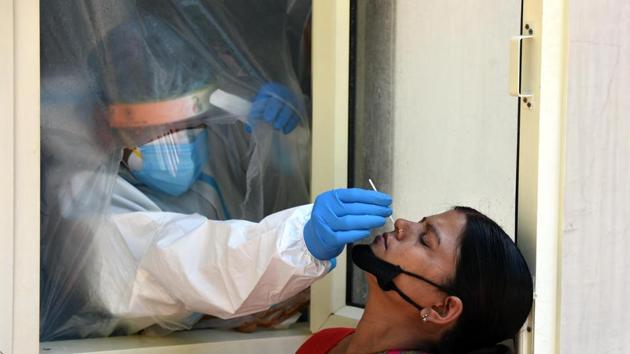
[[155, 122], [433, 123]]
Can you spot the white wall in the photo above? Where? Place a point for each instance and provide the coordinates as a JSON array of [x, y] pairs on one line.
[[455, 126], [595, 282]]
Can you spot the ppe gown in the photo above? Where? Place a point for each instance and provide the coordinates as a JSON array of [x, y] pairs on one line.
[[118, 257]]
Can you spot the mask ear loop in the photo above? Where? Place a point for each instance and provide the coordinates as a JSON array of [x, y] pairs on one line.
[[443, 288], [423, 316], [404, 296]]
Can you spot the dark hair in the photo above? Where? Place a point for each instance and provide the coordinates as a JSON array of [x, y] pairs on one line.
[[494, 283]]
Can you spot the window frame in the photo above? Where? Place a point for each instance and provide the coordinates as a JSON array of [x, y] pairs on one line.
[[331, 53], [19, 242]]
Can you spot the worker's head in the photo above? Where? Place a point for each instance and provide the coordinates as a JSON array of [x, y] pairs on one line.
[[156, 88], [158, 80], [456, 277], [150, 76]]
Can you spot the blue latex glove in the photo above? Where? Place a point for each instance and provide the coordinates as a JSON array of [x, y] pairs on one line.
[[343, 216], [277, 105]]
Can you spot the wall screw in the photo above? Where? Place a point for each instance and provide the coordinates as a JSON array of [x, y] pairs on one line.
[[525, 99], [529, 105]]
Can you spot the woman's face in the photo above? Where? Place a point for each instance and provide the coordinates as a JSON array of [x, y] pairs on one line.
[[428, 248]]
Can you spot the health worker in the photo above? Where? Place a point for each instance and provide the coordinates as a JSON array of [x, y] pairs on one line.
[[170, 168]]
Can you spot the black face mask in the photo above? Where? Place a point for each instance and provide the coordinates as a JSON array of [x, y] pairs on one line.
[[385, 272]]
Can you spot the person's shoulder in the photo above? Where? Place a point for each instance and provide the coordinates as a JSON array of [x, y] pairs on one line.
[[323, 341]]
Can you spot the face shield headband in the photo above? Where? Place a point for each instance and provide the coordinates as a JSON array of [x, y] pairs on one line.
[[385, 272], [168, 111]]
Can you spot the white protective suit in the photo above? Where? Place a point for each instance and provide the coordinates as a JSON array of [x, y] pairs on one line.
[[118, 257], [170, 265]]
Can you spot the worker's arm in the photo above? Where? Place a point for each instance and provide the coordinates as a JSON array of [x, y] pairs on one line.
[[221, 268]]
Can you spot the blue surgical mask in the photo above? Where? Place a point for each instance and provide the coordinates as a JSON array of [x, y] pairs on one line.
[[171, 166]]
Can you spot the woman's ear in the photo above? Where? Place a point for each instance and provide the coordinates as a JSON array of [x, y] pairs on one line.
[[444, 313]]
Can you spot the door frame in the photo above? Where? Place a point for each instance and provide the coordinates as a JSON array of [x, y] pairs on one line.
[[541, 167]]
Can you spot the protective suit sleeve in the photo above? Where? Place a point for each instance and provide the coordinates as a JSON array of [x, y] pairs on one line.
[[221, 268]]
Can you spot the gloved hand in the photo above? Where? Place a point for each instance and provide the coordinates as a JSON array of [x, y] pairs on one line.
[[343, 216], [277, 105]]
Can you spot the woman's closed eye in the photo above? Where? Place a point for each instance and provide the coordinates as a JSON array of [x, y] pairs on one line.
[[423, 239]]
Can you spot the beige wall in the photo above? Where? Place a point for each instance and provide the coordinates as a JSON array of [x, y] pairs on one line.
[[596, 234], [455, 125], [435, 126]]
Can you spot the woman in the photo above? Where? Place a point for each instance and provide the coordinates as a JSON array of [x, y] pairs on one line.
[[450, 283]]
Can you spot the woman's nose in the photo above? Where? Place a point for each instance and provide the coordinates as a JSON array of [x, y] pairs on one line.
[[400, 226]]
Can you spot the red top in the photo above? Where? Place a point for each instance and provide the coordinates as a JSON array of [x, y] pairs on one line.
[[324, 341]]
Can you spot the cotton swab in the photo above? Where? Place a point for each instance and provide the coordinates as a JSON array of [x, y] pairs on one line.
[[374, 187]]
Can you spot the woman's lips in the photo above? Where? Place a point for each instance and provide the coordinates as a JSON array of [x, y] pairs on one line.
[[382, 238]]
